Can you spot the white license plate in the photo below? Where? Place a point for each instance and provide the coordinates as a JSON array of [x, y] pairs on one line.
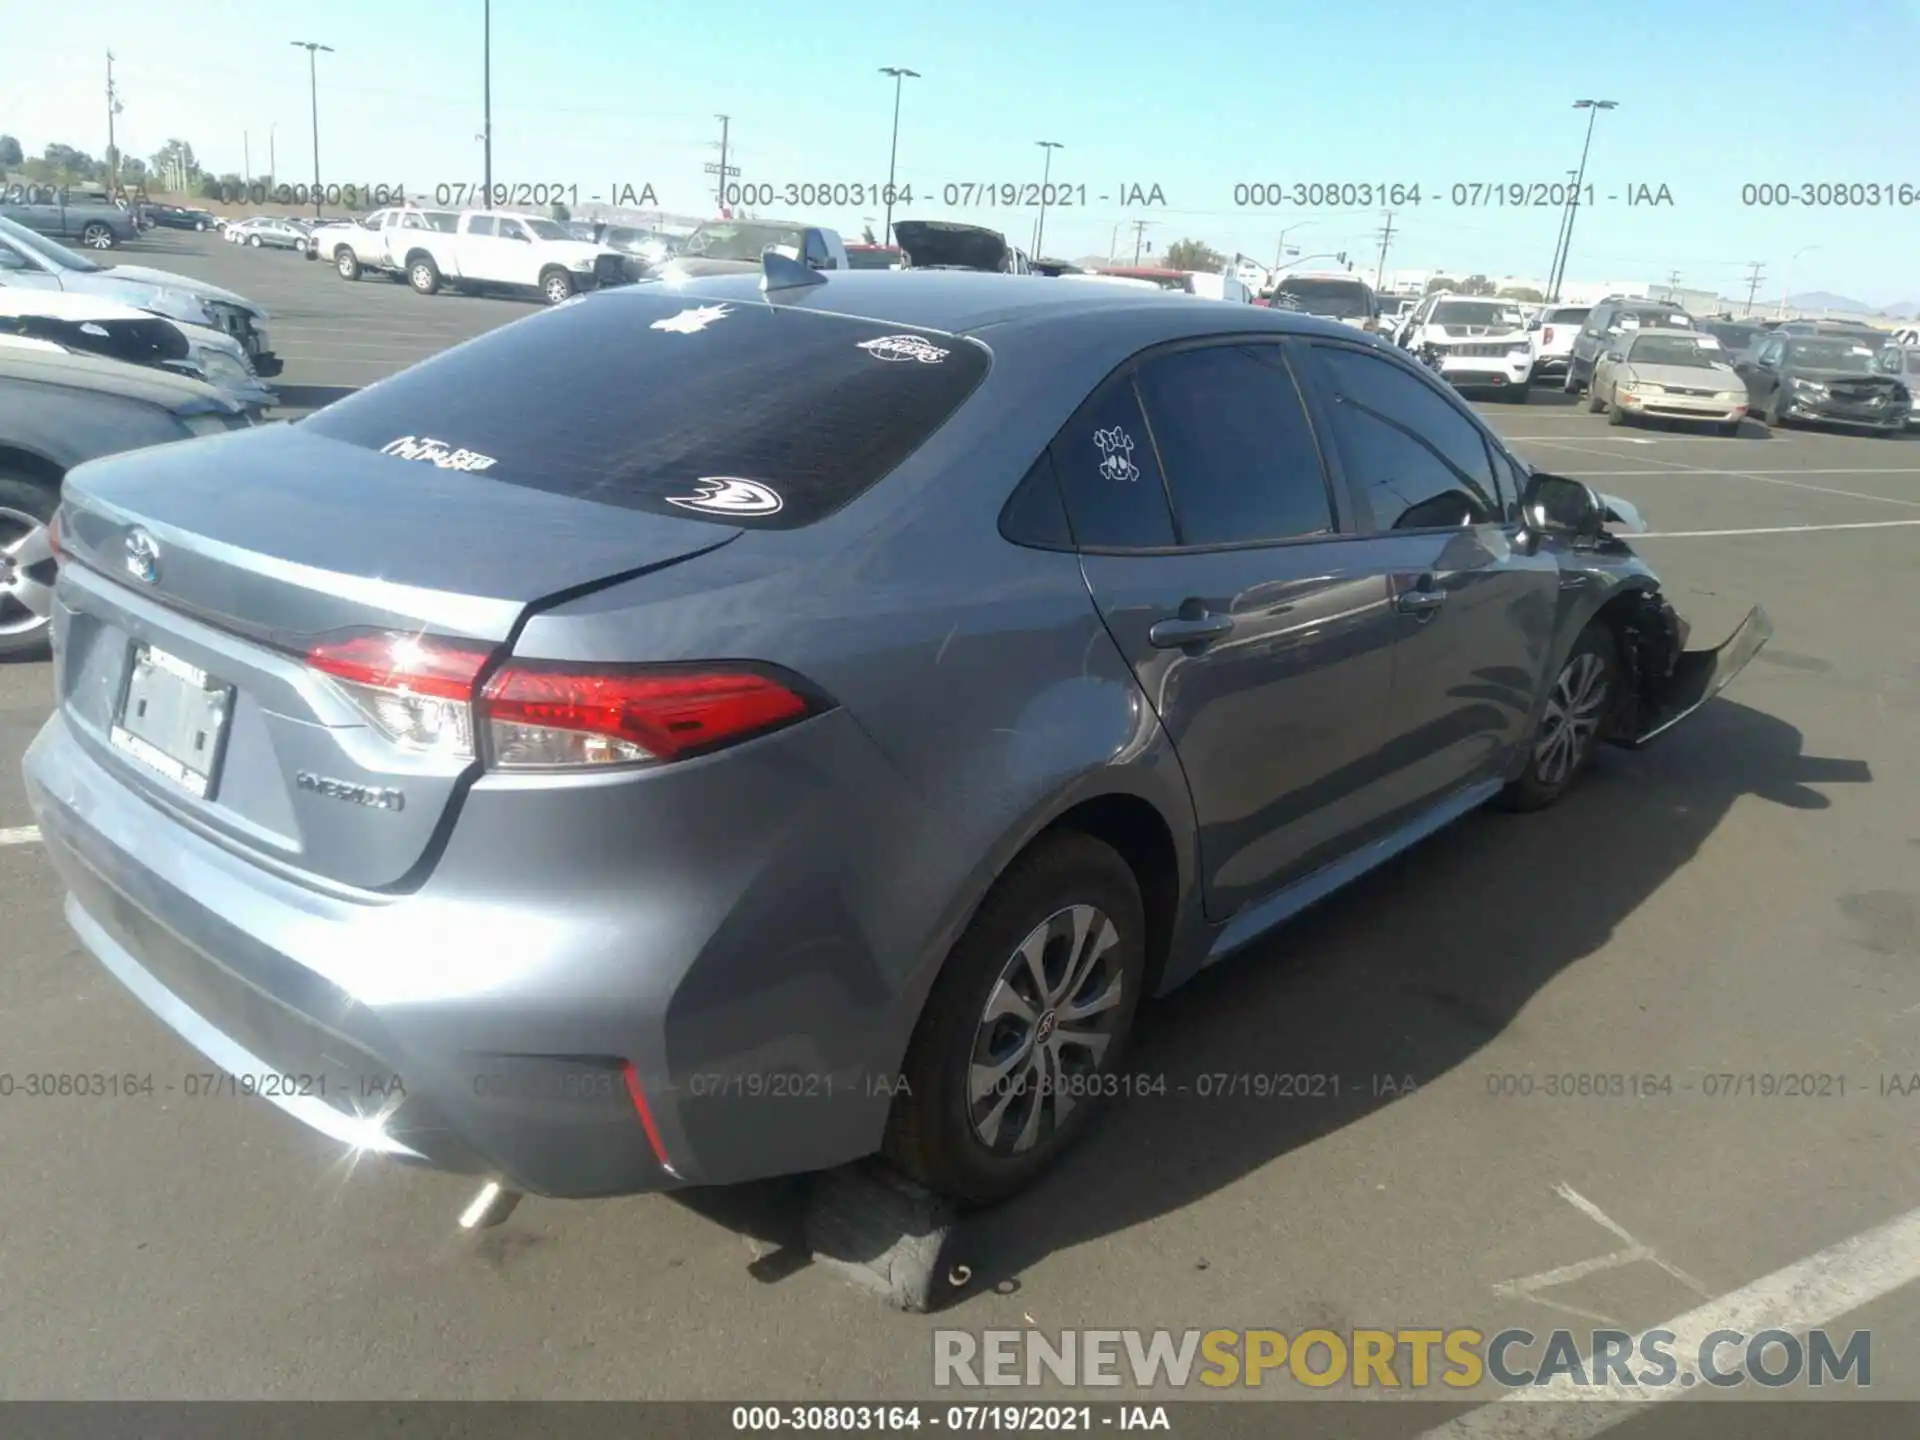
[[173, 719]]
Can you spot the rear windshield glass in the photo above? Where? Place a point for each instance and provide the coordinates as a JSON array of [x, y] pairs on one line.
[[1569, 315], [1338, 299], [741, 412], [869, 258]]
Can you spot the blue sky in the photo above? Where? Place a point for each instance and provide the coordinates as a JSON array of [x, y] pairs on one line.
[[1194, 97]]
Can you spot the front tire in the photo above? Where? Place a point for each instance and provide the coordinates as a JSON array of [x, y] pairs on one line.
[[200, 225], [1594, 403], [254, 241], [1579, 706], [556, 286], [1029, 1015], [1615, 415], [27, 565], [97, 237]]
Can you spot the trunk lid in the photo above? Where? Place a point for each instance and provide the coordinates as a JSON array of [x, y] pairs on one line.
[[950, 244], [235, 554]]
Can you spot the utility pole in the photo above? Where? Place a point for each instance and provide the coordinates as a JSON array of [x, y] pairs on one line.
[[313, 49], [1139, 235], [1753, 287], [1673, 283], [246, 159], [113, 150], [1386, 238], [486, 98], [725, 121], [273, 165]]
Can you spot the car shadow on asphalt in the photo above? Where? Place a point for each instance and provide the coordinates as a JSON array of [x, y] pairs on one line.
[[312, 397], [1404, 975]]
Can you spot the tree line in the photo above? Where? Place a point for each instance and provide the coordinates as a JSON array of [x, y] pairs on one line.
[[171, 169]]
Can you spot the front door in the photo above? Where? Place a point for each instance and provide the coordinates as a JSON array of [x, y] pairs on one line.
[[1475, 616]]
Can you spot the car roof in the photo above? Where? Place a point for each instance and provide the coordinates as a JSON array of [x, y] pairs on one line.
[[109, 377], [1675, 332], [963, 302]]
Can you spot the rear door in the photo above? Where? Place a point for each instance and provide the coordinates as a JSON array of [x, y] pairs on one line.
[[1216, 551], [1474, 616]]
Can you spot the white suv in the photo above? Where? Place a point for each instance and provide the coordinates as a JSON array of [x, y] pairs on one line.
[[1551, 333], [1476, 344]]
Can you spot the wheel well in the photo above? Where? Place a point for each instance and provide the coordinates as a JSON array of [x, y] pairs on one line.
[[25, 462], [1646, 633], [413, 256], [554, 269], [1138, 832]]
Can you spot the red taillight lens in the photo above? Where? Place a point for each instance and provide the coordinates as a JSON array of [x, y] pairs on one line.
[[416, 689], [542, 717], [1546, 336], [53, 537]]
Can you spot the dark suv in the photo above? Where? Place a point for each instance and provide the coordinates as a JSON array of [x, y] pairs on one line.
[[1612, 317]]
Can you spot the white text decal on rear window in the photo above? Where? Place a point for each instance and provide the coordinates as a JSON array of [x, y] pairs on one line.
[[1117, 448], [437, 452], [692, 322], [904, 347]]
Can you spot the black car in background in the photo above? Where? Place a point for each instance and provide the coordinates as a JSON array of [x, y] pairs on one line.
[[179, 217], [1608, 320], [1735, 337], [1825, 380]]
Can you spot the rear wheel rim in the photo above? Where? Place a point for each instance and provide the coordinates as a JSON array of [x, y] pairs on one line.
[[26, 572], [1574, 711], [558, 289], [1045, 1030]]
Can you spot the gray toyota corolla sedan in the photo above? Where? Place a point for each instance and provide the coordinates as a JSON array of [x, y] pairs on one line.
[[705, 733]]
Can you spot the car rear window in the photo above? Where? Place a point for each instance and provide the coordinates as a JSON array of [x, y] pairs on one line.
[[654, 400], [1569, 315]]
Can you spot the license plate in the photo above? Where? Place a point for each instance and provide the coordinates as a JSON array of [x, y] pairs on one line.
[[173, 719]]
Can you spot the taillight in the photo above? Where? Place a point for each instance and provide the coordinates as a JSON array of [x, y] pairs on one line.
[[417, 690], [425, 693], [1546, 336], [542, 716], [53, 537]]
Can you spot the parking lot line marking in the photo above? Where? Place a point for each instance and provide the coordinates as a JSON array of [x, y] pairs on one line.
[[1528, 1287], [1775, 530], [20, 835], [1696, 470], [1758, 477], [1802, 1296]]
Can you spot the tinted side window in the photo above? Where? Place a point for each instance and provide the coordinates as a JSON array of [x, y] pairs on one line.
[[481, 225], [1109, 475], [1418, 462], [1240, 458]]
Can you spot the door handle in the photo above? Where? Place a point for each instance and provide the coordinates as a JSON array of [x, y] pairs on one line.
[[1177, 634], [1423, 600]]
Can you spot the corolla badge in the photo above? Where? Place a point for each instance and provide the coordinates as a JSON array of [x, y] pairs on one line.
[[729, 495], [143, 556]]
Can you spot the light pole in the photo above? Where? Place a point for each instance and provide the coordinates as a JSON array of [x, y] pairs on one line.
[[1593, 109], [1780, 314], [900, 76], [1046, 178], [1280, 246], [313, 48], [486, 98]]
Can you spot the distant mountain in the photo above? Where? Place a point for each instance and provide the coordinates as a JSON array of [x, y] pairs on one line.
[[1827, 300], [1905, 310]]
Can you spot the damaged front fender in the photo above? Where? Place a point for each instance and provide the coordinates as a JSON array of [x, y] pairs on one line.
[[1669, 692]]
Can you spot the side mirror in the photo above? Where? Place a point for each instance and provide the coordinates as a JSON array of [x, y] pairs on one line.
[[11, 261], [1616, 356], [1555, 504]]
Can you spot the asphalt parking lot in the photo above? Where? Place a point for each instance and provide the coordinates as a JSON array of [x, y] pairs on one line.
[[1739, 900]]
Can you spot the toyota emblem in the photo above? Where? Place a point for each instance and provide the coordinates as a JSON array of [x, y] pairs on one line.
[[143, 556]]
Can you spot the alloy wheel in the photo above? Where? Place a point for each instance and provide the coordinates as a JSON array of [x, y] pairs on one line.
[[1573, 715], [26, 572], [1046, 1027]]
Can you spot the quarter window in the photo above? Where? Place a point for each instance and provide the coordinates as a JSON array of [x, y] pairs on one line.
[[1110, 476]]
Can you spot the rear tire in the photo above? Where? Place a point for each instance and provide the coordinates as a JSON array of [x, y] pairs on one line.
[[1002, 1075], [347, 263], [1774, 419], [556, 286], [1574, 721], [1570, 385], [423, 275], [27, 503], [254, 241]]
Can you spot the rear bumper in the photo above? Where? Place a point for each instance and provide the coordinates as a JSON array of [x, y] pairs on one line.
[[1550, 367], [494, 1030]]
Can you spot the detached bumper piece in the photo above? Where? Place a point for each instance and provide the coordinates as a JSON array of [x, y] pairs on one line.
[[1697, 676]]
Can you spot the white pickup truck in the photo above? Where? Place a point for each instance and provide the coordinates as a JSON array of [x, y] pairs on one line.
[[354, 247], [492, 249]]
